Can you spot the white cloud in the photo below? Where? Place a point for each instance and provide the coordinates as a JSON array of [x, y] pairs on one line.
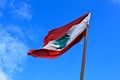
[[23, 34], [13, 53], [13, 49], [16, 8], [3, 76], [16, 30], [21, 9]]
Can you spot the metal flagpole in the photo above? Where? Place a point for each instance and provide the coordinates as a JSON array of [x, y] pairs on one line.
[[84, 55]]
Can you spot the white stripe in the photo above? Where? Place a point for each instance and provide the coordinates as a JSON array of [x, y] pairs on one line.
[[74, 31], [78, 29]]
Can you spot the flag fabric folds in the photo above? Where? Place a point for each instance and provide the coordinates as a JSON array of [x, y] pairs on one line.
[[59, 40]]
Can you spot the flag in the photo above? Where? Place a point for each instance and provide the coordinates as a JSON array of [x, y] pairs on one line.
[[59, 40]]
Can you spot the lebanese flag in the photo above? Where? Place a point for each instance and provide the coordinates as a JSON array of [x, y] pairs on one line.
[[59, 40]]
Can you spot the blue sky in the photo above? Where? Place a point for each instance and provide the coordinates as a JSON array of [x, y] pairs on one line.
[[24, 24]]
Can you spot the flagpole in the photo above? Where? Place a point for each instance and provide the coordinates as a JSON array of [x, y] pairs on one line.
[[84, 55]]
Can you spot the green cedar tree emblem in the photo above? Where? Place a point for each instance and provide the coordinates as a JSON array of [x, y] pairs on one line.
[[62, 41]]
